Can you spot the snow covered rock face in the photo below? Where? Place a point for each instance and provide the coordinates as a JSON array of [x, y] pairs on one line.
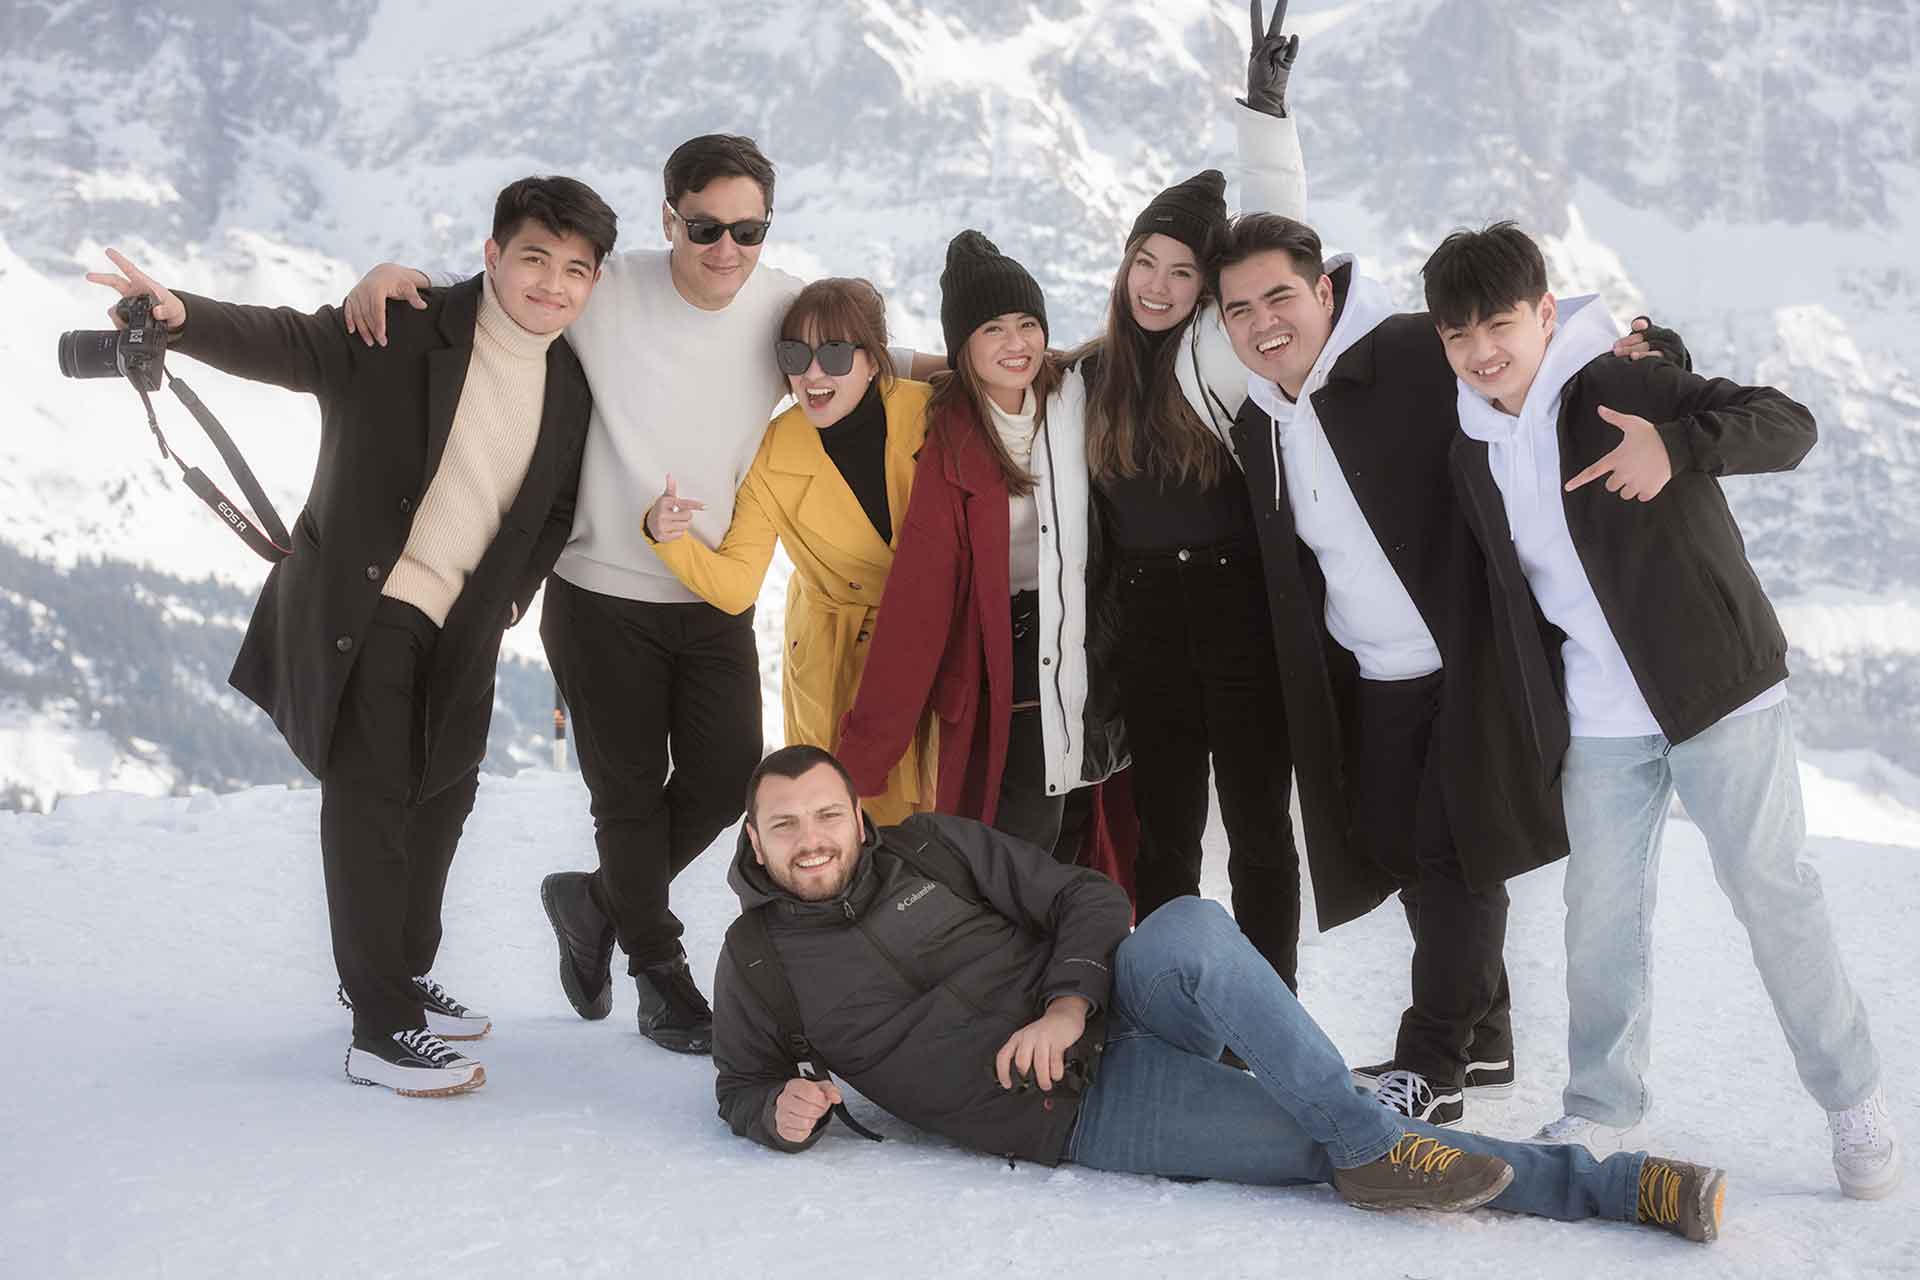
[[1744, 170]]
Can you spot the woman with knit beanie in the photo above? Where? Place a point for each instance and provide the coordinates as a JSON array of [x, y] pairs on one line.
[[830, 483]]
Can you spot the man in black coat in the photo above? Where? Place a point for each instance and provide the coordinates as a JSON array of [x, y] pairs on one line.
[[1675, 672], [449, 461], [972, 986], [1426, 725]]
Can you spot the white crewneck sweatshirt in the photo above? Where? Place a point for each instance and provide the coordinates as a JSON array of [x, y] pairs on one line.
[[1023, 512], [1369, 612], [1523, 451]]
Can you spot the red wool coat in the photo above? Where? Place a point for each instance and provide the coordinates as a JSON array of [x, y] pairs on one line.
[[944, 637]]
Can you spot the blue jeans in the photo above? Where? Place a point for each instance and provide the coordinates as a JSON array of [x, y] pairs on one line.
[[1188, 983], [1741, 786]]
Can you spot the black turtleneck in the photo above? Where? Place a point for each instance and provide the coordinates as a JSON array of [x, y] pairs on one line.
[[857, 445]]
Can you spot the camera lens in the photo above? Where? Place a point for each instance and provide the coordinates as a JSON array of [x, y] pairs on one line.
[[89, 353]]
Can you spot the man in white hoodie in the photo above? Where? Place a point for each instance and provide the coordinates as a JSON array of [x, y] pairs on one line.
[[1675, 672], [1420, 762]]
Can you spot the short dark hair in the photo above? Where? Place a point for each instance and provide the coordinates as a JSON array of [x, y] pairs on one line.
[[1476, 274], [698, 161], [843, 309], [1252, 234], [564, 206], [791, 762]]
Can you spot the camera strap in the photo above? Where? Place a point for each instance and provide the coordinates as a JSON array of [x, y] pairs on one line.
[[263, 533]]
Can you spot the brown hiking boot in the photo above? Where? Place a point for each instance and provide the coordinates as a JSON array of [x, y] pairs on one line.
[[1424, 1173], [1685, 1199]]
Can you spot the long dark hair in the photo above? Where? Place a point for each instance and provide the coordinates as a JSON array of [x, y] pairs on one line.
[[961, 386], [1137, 416]]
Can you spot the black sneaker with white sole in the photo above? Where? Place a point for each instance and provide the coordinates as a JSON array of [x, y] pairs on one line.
[[1483, 1079], [673, 1014], [446, 1017], [1409, 1094], [414, 1064]]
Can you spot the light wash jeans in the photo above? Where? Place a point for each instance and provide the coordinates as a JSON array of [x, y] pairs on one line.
[[1187, 983], [1741, 787]]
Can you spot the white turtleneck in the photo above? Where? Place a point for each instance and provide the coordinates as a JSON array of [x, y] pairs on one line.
[[1523, 452], [494, 430], [1369, 612], [1023, 512]]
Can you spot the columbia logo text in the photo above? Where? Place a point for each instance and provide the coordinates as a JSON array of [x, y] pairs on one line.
[[914, 897]]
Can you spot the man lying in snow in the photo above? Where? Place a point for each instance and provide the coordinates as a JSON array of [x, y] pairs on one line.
[[974, 987]]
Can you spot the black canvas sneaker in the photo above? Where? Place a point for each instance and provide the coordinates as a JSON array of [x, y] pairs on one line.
[[673, 1014], [1408, 1093], [415, 1064], [446, 1017], [1490, 1079]]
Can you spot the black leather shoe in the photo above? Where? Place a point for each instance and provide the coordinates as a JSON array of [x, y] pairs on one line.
[[586, 942], [673, 1014]]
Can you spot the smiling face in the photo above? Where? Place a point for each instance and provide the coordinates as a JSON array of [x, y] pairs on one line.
[[542, 278], [709, 275], [1278, 319], [1163, 283], [824, 397], [1498, 355], [806, 832], [1005, 354]]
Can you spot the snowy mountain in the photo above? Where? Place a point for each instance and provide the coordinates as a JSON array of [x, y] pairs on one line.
[[1746, 170]]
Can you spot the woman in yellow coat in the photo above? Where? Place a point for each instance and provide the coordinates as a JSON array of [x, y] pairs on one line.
[[830, 483]]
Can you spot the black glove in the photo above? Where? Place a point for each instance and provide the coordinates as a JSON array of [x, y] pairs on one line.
[[1667, 343], [1270, 63]]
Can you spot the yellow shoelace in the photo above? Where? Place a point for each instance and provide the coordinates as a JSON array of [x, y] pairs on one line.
[[1424, 1155], [1659, 1193]]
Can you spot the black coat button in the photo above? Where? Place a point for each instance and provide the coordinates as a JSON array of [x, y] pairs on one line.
[[373, 573], [344, 644], [406, 505], [854, 586]]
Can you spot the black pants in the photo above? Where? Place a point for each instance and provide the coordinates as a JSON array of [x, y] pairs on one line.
[[1199, 683], [1461, 1009], [664, 703], [386, 856], [1026, 809]]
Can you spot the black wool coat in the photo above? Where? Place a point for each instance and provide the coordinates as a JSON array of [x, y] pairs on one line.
[[1671, 575], [1388, 412], [385, 414]]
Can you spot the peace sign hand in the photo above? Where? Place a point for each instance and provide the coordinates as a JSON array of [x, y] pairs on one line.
[[1638, 466], [1270, 63], [132, 282]]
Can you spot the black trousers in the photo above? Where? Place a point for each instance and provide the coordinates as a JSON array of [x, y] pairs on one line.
[[1199, 684], [385, 855], [1026, 809], [1461, 1009], [664, 703]]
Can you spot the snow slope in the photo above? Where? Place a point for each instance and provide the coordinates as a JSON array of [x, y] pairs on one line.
[[171, 1100]]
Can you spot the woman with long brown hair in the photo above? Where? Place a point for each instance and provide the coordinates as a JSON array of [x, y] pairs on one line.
[[831, 485]]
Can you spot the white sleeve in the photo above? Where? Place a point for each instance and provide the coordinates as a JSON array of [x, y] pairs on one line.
[[443, 279], [1211, 375], [1273, 174]]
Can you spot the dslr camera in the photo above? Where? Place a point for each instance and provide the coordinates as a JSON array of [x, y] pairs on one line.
[[134, 353]]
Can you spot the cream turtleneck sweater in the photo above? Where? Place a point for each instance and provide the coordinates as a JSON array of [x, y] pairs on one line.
[[1023, 512], [494, 430]]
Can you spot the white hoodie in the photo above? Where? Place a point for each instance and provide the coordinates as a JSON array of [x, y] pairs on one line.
[[1523, 452], [1369, 612]]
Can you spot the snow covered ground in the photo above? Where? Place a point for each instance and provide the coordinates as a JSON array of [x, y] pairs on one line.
[[172, 1103]]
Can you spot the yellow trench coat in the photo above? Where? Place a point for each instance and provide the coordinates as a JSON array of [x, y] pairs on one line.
[[794, 493]]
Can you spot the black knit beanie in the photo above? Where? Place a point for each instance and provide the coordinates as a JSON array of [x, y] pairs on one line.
[[980, 283], [1193, 212]]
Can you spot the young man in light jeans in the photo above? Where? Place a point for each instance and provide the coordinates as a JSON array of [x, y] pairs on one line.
[[1675, 672]]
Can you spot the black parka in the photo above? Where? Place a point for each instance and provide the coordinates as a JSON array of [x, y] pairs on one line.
[[385, 414], [1671, 574], [908, 990], [1387, 409]]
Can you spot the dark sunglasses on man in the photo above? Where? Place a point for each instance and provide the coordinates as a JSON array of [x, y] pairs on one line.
[[746, 233], [836, 358]]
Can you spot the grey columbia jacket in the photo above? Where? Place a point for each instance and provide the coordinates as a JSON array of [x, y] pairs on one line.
[[907, 989]]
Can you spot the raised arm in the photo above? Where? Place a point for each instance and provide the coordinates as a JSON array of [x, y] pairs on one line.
[[278, 345], [1273, 176]]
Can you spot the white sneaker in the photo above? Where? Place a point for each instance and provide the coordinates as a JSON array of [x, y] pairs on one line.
[[1866, 1151], [1602, 1140], [415, 1064]]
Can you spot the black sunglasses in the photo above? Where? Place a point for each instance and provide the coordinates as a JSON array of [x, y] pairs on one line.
[[836, 358], [747, 232]]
